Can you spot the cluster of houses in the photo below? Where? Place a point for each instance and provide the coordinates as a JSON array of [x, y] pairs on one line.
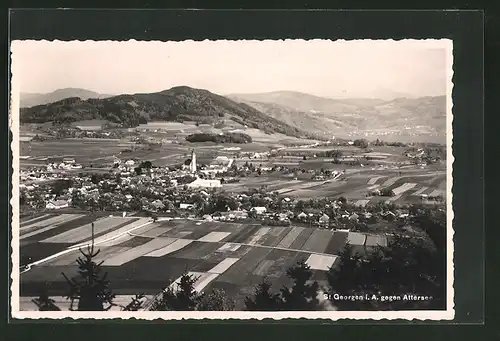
[[163, 190], [66, 164]]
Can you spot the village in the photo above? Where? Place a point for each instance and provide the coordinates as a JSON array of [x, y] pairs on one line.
[[191, 191]]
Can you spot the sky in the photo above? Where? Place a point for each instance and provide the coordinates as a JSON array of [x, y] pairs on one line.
[[319, 67]]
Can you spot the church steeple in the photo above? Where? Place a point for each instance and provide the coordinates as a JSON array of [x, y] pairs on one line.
[[192, 167]]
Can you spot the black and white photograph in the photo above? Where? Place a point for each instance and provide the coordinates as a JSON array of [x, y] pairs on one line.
[[232, 179]]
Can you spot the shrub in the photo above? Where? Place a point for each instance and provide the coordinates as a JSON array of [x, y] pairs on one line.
[[386, 192]]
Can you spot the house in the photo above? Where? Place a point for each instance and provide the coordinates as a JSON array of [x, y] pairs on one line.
[[259, 210], [186, 206], [237, 214], [68, 160], [324, 219], [282, 216], [204, 183], [302, 216], [354, 217], [158, 204], [57, 204], [207, 217]]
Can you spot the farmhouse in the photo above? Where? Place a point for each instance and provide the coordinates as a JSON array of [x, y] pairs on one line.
[[55, 205], [324, 219], [302, 216], [186, 206], [259, 210]]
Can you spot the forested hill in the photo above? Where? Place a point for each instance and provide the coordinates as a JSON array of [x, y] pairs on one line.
[[176, 104]]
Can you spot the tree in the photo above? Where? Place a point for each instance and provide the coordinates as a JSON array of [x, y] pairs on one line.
[[138, 170], [180, 297], [303, 295], [406, 265], [343, 200], [147, 165], [137, 303], [60, 186], [264, 299], [44, 302], [90, 288], [361, 143], [341, 277], [216, 300], [95, 178], [77, 199]]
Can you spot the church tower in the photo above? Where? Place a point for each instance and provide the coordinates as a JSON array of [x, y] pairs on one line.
[[193, 162]]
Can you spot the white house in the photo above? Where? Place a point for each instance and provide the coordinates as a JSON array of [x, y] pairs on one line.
[[302, 216], [186, 206], [324, 219], [259, 210], [55, 205]]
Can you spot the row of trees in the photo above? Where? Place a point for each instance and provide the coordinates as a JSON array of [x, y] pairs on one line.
[[406, 266], [219, 138]]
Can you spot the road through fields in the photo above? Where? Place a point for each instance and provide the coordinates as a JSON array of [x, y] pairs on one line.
[[73, 248]]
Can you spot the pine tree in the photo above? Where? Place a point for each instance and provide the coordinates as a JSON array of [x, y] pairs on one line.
[[137, 303], [180, 297], [44, 302], [405, 265], [90, 288], [303, 295], [264, 299]]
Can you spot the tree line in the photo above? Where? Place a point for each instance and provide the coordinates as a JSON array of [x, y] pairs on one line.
[[219, 138]]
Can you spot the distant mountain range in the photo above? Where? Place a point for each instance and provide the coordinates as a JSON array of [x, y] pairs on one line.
[[31, 99], [287, 112], [176, 104], [424, 115]]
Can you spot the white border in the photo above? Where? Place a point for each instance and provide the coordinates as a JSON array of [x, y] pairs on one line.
[[448, 314]]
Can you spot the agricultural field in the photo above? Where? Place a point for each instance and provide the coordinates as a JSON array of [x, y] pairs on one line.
[[174, 149], [141, 256], [407, 185]]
